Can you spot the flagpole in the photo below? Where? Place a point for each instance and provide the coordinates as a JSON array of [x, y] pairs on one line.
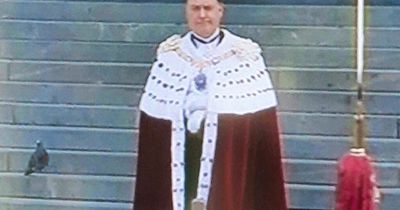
[[360, 40], [356, 175], [360, 124]]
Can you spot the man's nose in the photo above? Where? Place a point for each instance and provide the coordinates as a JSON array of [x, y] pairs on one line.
[[202, 13]]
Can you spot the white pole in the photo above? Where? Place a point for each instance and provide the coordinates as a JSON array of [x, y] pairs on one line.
[[360, 40]]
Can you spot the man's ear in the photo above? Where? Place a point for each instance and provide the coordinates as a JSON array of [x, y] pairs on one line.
[[221, 8]]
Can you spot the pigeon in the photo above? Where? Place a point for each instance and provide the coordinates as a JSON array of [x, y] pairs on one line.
[[38, 161]]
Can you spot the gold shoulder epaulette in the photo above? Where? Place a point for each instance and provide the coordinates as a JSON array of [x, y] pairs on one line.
[[171, 43]]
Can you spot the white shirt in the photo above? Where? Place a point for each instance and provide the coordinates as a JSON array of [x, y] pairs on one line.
[[196, 101]]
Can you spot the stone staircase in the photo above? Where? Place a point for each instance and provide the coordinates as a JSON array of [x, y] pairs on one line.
[[71, 73]]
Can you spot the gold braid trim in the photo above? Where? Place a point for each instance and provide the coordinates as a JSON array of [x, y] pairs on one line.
[[244, 50], [170, 44]]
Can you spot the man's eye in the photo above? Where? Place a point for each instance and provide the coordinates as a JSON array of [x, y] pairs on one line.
[[195, 8], [208, 8]]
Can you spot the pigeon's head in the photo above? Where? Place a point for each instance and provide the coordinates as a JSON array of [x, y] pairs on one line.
[[38, 143]]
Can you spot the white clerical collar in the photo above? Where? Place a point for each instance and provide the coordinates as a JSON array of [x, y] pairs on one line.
[[197, 40]]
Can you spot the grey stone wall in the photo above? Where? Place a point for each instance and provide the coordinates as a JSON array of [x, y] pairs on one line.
[[71, 75]]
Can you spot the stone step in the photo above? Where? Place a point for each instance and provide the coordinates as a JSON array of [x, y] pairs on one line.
[[68, 115], [264, 2], [290, 100], [285, 78], [379, 126], [67, 187], [323, 172], [311, 197], [300, 146], [44, 204], [74, 72], [321, 197], [174, 13], [76, 94], [337, 102], [154, 33], [319, 147], [284, 56], [301, 197], [72, 162], [334, 79], [69, 138], [312, 123], [298, 171], [71, 77]]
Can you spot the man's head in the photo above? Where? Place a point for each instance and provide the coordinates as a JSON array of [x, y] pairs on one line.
[[204, 16]]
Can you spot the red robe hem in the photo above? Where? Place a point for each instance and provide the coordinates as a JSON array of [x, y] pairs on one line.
[[247, 170]]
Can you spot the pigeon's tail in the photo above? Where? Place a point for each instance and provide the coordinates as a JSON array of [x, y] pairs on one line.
[[28, 171]]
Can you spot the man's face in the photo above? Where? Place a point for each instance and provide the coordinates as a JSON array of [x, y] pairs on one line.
[[204, 16]]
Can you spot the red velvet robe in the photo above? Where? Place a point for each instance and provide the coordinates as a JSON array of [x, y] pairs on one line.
[[247, 172]]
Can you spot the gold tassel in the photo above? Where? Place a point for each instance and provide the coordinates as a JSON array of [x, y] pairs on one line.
[[359, 127]]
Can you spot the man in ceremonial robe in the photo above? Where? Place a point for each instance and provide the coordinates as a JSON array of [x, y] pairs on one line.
[[208, 135]]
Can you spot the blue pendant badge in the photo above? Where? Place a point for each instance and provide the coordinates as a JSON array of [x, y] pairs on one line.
[[200, 81]]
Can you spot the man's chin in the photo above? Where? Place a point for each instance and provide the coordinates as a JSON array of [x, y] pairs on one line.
[[204, 33]]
